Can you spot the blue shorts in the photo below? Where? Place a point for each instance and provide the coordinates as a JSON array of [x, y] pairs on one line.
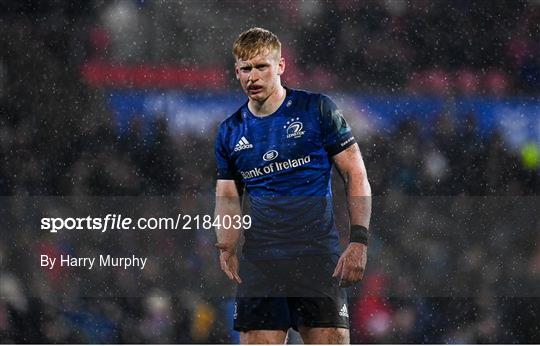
[[285, 293]]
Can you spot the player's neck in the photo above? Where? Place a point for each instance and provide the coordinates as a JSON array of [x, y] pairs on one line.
[[270, 105]]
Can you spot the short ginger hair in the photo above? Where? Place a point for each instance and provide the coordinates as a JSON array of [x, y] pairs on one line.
[[255, 41]]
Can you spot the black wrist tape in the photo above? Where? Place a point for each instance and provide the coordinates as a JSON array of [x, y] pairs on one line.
[[359, 234]]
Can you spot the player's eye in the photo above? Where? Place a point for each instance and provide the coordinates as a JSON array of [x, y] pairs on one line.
[[245, 69]]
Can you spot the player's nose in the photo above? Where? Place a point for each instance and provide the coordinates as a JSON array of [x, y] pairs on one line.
[[253, 76]]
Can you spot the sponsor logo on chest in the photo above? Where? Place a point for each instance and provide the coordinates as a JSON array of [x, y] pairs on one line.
[[270, 155]]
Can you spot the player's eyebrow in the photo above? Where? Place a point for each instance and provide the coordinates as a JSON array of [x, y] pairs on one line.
[[250, 66]]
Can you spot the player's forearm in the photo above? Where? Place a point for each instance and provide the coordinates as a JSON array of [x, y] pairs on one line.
[[228, 207], [358, 197]]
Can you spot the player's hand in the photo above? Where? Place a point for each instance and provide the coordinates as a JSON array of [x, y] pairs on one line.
[[351, 265], [229, 262]]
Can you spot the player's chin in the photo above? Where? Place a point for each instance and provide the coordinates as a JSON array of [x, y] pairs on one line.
[[258, 96]]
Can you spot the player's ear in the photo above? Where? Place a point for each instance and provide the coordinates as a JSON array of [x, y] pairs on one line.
[[281, 66], [236, 71]]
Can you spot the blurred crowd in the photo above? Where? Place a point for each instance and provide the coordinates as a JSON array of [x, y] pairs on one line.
[[442, 47], [57, 138], [436, 47]]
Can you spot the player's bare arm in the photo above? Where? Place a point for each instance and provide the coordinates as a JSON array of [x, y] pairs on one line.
[[351, 265], [228, 203]]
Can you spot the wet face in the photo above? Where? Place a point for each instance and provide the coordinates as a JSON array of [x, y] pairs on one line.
[[260, 75]]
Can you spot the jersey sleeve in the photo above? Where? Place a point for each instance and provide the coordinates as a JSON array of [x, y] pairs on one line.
[[337, 135], [225, 166]]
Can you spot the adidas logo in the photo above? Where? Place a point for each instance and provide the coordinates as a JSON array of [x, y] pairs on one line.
[[242, 144], [344, 312]]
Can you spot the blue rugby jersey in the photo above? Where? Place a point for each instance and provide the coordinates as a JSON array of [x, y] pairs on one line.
[[283, 160]]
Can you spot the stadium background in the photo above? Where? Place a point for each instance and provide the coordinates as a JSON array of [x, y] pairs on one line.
[[121, 98]]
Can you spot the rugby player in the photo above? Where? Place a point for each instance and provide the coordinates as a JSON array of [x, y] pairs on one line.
[[280, 147]]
